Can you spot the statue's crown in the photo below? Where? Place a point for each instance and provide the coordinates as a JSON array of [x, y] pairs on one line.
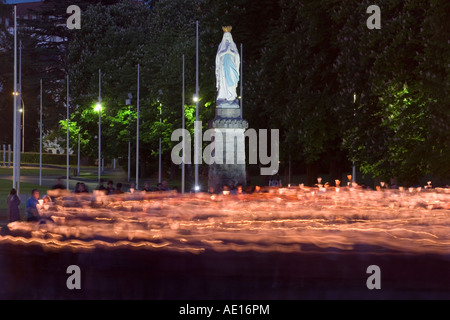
[[227, 28]]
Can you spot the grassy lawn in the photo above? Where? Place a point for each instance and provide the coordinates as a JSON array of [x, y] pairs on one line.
[[30, 171], [34, 171]]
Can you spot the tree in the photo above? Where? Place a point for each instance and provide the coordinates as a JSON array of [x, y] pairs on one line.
[[400, 111]]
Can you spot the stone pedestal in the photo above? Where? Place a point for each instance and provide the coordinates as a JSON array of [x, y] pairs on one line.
[[232, 129]]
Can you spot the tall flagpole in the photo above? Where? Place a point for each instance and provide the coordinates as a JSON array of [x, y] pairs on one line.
[[40, 138], [183, 127], [67, 138], [79, 151], [15, 185], [159, 156], [21, 99], [128, 103], [129, 145], [242, 77], [99, 125], [196, 134], [19, 119], [137, 132]]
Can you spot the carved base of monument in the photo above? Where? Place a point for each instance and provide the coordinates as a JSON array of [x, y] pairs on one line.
[[232, 167]]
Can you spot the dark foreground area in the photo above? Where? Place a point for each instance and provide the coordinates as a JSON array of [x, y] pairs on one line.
[[288, 245], [29, 272]]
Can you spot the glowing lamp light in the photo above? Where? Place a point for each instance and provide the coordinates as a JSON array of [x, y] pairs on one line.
[[98, 107], [20, 110], [197, 188], [195, 98], [15, 93]]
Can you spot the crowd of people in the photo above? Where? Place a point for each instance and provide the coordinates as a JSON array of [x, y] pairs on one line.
[[32, 212], [31, 207], [110, 189]]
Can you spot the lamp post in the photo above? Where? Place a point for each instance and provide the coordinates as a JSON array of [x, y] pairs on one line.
[[98, 108], [128, 103], [196, 135], [159, 156], [137, 129], [40, 137], [67, 136], [183, 126], [16, 175], [79, 151]]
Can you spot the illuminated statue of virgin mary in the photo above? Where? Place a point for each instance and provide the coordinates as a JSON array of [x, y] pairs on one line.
[[227, 69]]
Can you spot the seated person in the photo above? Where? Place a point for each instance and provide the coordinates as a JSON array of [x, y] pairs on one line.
[[31, 207], [110, 187], [147, 187], [118, 189]]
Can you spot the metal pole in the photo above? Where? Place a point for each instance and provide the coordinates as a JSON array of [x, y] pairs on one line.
[[40, 138], [67, 136], [129, 140], [183, 127], [99, 124], [242, 77], [159, 157], [137, 132], [79, 152], [23, 125], [20, 93], [354, 173], [129, 160], [290, 170], [15, 102], [9, 155], [196, 134]]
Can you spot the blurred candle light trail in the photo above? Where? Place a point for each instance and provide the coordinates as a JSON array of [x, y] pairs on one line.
[[290, 220]]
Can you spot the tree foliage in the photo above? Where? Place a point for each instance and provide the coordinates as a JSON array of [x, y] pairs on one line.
[[338, 91]]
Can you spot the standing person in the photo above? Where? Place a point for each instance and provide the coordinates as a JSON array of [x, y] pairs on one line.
[[13, 206], [31, 207]]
